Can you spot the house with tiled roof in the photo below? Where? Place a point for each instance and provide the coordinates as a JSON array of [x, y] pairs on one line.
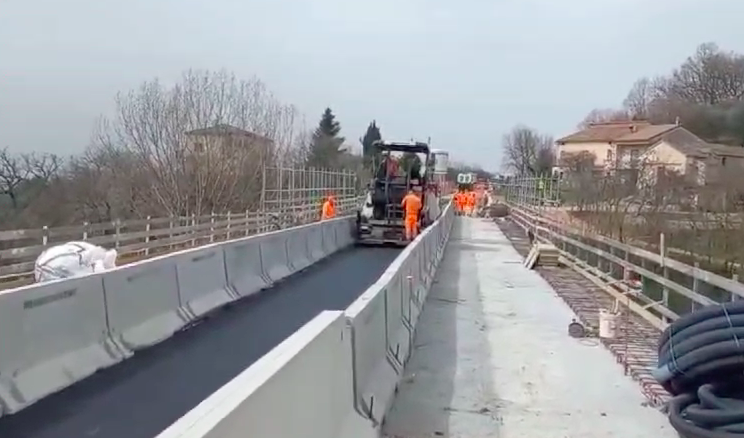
[[684, 153], [225, 138], [613, 144]]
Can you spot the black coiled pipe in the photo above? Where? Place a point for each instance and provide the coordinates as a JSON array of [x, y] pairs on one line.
[[701, 363]]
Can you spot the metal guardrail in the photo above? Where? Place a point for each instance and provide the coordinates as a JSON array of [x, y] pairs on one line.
[[142, 238], [655, 286]]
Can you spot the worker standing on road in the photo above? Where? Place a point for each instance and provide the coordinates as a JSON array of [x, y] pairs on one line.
[[467, 203], [463, 202], [472, 201], [457, 198], [412, 205], [329, 208]]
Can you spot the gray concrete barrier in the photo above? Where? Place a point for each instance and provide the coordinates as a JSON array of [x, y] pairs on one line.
[[337, 385], [55, 334], [299, 389], [51, 336]]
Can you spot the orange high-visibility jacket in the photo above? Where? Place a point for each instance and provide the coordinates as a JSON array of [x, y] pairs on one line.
[[412, 204], [329, 209]]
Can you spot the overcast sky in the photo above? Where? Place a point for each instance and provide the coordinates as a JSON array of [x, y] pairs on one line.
[[462, 72]]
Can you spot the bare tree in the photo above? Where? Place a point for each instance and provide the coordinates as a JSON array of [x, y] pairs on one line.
[[196, 173], [709, 77], [528, 152], [639, 98], [603, 116]]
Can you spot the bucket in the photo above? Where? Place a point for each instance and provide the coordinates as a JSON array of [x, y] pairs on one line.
[[607, 324]]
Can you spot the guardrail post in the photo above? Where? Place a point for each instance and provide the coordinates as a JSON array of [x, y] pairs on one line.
[[247, 227], [665, 273], [626, 271], [44, 235], [86, 224], [227, 232], [147, 236], [211, 228], [117, 235], [170, 232], [193, 232]]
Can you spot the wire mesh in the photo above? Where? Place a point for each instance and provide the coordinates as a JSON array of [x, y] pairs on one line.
[[297, 194]]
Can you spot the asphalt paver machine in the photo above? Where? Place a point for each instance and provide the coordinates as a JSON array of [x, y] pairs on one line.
[[397, 168]]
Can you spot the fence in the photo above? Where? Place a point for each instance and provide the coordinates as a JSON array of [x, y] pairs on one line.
[[286, 189], [638, 216], [294, 199], [653, 285]]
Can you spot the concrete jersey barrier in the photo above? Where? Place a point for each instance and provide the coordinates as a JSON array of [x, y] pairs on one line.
[[55, 334], [336, 377], [298, 389]]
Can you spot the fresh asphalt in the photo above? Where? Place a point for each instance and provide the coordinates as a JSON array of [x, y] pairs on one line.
[[143, 395]]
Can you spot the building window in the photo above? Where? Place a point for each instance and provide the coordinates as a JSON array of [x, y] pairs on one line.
[[634, 155]]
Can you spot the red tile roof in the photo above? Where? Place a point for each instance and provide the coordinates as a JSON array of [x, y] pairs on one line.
[[618, 132]]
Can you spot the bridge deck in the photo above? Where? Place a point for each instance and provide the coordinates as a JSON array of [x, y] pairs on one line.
[[492, 357]]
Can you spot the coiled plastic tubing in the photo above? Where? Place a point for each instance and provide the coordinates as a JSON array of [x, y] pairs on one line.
[[701, 363]]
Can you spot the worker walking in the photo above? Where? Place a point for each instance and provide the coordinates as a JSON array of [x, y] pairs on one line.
[[412, 206], [458, 202], [329, 208], [472, 197]]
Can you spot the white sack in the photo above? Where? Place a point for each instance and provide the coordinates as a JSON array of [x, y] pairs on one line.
[[72, 259]]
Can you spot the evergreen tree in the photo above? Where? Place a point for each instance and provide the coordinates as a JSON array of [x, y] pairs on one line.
[[325, 148], [372, 135], [411, 162]]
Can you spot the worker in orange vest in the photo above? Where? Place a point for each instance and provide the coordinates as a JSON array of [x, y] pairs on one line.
[[329, 208], [472, 198], [468, 202], [459, 201], [412, 206]]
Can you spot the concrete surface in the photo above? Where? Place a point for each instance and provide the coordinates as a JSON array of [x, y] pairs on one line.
[[140, 397], [492, 358]]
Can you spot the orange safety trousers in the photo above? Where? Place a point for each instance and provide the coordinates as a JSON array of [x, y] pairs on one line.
[[411, 223]]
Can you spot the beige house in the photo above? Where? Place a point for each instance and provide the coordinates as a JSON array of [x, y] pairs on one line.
[[613, 144], [684, 153], [226, 140]]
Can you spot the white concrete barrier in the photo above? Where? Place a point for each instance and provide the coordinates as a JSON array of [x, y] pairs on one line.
[[316, 250], [302, 388], [330, 244], [245, 273], [397, 320], [376, 374], [345, 235], [51, 336], [202, 280], [297, 248], [327, 380], [274, 256], [389, 311], [55, 334], [143, 303]]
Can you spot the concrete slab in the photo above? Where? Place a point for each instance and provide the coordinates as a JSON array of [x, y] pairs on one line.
[[492, 358]]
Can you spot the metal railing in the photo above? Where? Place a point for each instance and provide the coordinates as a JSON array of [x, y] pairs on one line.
[[654, 285], [294, 199]]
